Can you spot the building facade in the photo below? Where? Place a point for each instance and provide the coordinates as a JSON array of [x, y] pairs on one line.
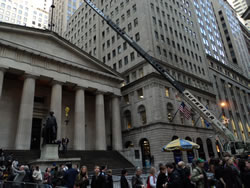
[[168, 31], [25, 12], [232, 36], [240, 6], [63, 10], [235, 93], [54, 75]]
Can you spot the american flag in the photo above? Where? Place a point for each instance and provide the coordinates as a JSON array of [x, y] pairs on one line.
[[183, 108]]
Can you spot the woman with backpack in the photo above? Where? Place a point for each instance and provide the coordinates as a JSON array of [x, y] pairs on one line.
[[152, 179]]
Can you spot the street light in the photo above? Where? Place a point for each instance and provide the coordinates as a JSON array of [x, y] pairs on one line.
[[222, 105]]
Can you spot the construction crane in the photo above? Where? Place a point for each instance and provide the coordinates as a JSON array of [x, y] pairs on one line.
[[228, 141]]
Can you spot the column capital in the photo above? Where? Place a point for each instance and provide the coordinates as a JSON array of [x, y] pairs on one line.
[[3, 69], [100, 92], [80, 88], [30, 75], [54, 82], [115, 96]]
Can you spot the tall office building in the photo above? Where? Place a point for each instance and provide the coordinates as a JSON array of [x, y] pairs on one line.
[[168, 31], [63, 10], [240, 6], [25, 12], [233, 38]]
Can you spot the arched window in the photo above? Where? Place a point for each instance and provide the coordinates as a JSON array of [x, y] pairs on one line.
[[170, 109], [127, 120], [210, 148], [129, 144], [146, 154], [177, 153], [142, 113], [190, 154], [201, 149]]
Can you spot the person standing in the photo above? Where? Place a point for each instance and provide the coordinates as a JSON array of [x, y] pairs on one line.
[[230, 174], [70, 176], [151, 181], [124, 181], [174, 178], [98, 180], [109, 179], [37, 175], [162, 178], [137, 180], [82, 179], [199, 175]]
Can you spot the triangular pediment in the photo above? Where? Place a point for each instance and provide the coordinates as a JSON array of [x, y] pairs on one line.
[[47, 42]]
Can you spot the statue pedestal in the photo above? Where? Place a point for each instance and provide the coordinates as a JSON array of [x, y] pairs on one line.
[[49, 157], [49, 151]]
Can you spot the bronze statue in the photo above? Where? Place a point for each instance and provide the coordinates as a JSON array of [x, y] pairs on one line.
[[50, 130]]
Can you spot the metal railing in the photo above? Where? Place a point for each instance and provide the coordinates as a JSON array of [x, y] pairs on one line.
[[11, 184]]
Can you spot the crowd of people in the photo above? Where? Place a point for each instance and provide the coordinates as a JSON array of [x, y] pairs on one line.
[[215, 173]]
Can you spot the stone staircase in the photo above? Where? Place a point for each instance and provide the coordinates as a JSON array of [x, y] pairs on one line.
[[111, 159]]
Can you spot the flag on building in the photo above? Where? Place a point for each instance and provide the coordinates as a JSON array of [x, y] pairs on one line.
[[184, 109], [207, 123]]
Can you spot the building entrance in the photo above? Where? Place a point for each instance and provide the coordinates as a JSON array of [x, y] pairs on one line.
[[36, 134], [146, 155]]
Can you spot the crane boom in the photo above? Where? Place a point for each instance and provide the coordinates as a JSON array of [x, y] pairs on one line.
[[185, 94]]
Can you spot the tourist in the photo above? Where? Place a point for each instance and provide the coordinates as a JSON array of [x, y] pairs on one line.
[[184, 172], [162, 178], [124, 181], [137, 180], [230, 173], [218, 173], [70, 176], [37, 175], [109, 179], [151, 181], [98, 180], [82, 179], [174, 178], [47, 176], [245, 172], [199, 176]]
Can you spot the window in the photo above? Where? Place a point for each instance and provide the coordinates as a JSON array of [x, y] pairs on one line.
[[137, 37], [124, 46], [132, 56], [135, 22], [142, 113], [158, 50], [127, 115], [129, 27], [167, 92], [140, 94], [126, 60]]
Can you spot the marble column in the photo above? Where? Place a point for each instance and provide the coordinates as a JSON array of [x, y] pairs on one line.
[[79, 129], [2, 71], [24, 127], [56, 105], [116, 124], [100, 122]]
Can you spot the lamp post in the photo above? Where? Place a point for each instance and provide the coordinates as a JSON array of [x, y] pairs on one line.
[[222, 105]]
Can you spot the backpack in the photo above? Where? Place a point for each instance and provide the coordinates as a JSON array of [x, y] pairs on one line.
[[148, 181]]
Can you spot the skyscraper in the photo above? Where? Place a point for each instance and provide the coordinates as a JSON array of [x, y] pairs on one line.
[[63, 10], [240, 7], [25, 12], [233, 39]]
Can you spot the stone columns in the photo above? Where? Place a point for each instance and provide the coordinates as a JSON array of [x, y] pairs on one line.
[[1, 80], [24, 127], [116, 124], [79, 129], [56, 106], [100, 123]]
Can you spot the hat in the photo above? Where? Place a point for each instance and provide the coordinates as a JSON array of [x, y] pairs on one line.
[[199, 160]]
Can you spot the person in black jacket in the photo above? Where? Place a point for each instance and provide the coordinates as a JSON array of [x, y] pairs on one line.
[[174, 178], [82, 180], [98, 180], [162, 178], [109, 179], [137, 180], [123, 181], [70, 176]]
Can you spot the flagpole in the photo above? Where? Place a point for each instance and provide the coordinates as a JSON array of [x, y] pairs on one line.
[[175, 115]]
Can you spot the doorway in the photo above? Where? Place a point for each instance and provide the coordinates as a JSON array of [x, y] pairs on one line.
[[146, 154], [36, 134]]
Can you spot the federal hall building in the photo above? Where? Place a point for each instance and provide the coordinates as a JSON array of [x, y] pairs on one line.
[[42, 72]]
